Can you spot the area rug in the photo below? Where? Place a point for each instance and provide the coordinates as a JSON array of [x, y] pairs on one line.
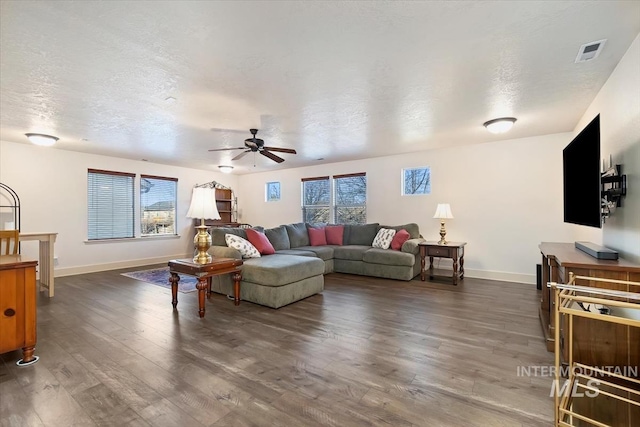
[[160, 277]]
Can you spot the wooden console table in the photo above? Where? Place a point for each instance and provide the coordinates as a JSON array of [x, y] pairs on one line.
[[204, 273], [18, 307], [560, 259], [453, 250], [46, 258]]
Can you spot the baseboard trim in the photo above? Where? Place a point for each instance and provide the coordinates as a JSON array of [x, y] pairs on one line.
[[95, 268], [501, 276]]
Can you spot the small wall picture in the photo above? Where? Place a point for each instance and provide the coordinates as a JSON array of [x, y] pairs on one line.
[[272, 191]]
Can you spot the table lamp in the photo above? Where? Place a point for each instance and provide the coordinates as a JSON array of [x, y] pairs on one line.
[[203, 206], [443, 211]]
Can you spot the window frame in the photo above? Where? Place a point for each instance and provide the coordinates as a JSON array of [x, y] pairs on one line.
[[175, 206], [337, 206], [303, 193], [403, 181], [332, 207], [266, 191]]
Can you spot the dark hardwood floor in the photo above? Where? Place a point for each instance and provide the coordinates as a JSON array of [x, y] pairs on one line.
[[366, 352]]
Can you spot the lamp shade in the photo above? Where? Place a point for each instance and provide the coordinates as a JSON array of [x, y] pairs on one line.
[[203, 204], [443, 211]]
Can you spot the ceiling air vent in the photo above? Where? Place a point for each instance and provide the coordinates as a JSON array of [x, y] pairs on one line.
[[590, 51]]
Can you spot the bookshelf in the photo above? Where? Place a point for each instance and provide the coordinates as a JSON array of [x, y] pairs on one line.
[[227, 205]]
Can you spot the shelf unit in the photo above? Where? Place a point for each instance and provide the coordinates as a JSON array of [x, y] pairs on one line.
[[596, 394], [227, 205]]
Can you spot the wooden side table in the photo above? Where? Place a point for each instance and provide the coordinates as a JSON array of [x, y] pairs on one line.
[[204, 273], [453, 250]]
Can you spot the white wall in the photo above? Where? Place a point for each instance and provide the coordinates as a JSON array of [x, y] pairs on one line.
[[52, 186], [618, 104], [506, 198]]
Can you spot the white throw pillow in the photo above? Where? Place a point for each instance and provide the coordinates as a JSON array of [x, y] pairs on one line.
[[246, 249], [383, 238]]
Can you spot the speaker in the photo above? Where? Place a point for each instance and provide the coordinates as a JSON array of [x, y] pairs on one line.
[[539, 276]]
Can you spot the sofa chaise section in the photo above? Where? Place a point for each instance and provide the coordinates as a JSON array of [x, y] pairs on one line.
[[274, 280]]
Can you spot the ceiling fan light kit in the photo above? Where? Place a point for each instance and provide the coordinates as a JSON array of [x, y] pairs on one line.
[[501, 125], [256, 145]]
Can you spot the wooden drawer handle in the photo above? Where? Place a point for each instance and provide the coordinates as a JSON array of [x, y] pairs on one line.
[[9, 312]]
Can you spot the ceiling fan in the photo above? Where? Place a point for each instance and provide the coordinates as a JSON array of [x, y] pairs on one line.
[[257, 145]]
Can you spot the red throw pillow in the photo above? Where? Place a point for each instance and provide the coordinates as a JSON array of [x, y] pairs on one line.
[[399, 239], [260, 241], [334, 234], [317, 236]]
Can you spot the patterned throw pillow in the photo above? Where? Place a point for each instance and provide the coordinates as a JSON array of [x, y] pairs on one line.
[[246, 249], [383, 238]]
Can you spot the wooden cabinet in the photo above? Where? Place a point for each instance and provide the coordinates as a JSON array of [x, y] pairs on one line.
[[595, 343], [226, 204], [18, 306]]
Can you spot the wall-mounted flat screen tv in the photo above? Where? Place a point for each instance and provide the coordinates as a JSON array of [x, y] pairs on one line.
[[581, 173]]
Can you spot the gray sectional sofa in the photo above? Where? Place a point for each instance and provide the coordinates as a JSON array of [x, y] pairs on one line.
[[297, 269]]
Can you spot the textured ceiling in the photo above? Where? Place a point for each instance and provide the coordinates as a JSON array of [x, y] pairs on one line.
[[334, 80]]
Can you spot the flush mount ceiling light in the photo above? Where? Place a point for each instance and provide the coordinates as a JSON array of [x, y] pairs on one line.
[[41, 139], [500, 125], [225, 169]]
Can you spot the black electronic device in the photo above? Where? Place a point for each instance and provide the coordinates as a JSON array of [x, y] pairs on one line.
[[597, 251], [581, 177]]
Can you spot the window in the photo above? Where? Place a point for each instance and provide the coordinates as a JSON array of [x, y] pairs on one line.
[[350, 204], [157, 205], [272, 192], [316, 200], [347, 204], [110, 205], [416, 181]]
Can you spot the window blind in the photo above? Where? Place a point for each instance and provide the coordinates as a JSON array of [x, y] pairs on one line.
[[110, 204]]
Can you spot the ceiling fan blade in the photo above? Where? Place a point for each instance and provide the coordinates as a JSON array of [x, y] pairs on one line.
[[225, 149], [272, 156], [241, 155], [281, 150]]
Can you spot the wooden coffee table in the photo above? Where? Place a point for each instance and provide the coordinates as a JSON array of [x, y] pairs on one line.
[[204, 273]]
